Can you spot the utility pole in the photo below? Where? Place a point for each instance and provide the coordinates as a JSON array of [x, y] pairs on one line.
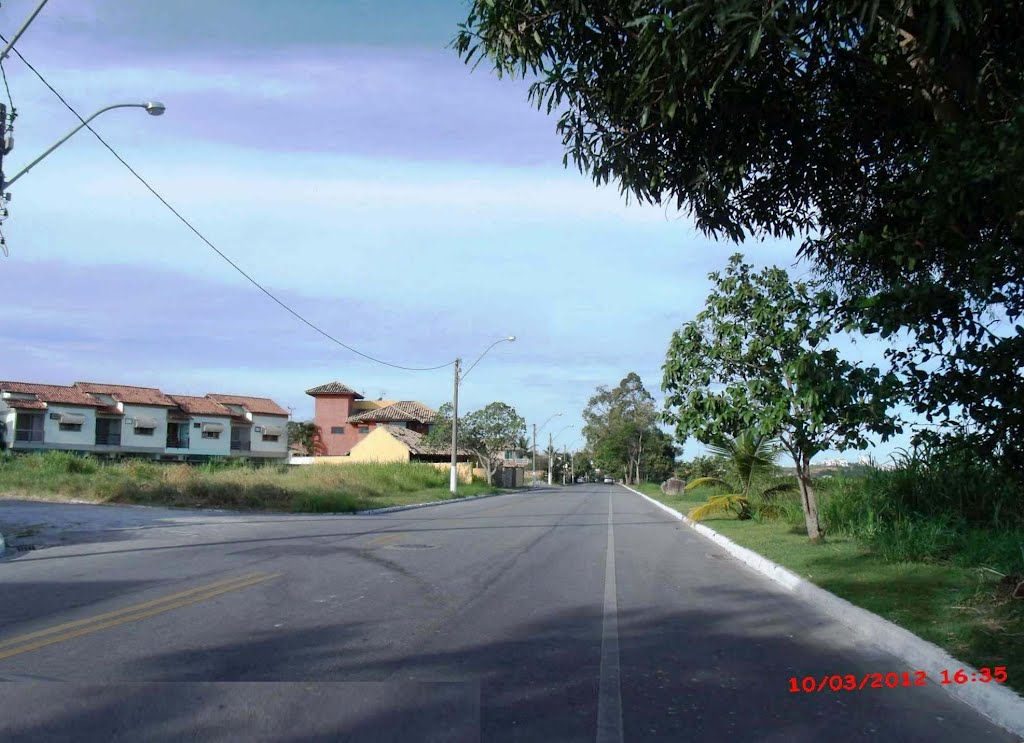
[[3, 140], [533, 479], [551, 459], [454, 484]]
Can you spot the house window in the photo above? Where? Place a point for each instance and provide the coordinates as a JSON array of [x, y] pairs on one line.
[[337, 429], [270, 437], [211, 434], [177, 434], [197, 425], [364, 429], [108, 432], [143, 431], [70, 426], [29, 427]]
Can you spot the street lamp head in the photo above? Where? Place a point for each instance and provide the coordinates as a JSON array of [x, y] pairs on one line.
[[154, 108], [511, 338]]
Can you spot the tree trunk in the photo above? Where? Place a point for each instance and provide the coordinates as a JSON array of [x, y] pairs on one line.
[[639, 456], [808, 499]]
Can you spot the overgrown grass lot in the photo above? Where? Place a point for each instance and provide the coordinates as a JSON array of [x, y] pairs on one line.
[[231, 485], [936, 547]]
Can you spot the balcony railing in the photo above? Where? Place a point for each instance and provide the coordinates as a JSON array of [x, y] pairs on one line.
[[240, 445], [109, 439], [28, 436], [177, 443]]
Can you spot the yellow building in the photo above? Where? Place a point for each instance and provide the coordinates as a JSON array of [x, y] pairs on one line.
[[389, 443]]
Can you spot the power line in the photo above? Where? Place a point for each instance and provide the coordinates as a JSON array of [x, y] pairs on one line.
[[8, 88], [213, 247]]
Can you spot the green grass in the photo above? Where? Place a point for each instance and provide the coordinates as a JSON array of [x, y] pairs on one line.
[[961, 608], [275, 487]]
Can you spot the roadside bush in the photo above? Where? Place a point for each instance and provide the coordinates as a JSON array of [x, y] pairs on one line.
[[233, 485], [934, 506], [61, 463]]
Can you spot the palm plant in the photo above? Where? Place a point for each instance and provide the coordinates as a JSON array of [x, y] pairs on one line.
[[749, 462]]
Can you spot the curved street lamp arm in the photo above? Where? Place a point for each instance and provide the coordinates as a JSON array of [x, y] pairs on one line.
[[68, 136], [548, 421], [500, 340]]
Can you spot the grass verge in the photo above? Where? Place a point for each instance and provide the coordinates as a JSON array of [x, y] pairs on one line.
[[278, 487], [962, 609]]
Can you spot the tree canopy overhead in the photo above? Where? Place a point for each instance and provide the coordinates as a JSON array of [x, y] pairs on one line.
[[886, 134]]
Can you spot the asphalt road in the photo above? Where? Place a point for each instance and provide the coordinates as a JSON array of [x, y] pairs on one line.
[[582, 613]]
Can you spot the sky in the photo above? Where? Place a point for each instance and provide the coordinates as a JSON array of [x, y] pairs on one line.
[[343, 155]]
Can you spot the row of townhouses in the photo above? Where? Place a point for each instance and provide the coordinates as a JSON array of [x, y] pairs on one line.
[[116, 419]]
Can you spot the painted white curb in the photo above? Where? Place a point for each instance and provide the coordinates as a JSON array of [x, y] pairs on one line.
[[3, 545], [998, 703]]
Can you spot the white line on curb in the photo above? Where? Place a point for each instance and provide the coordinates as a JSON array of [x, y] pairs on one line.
[[999, 704], [609, 694]]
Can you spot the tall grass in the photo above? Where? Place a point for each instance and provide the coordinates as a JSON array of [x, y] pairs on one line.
[[280, 487], [952, 507]]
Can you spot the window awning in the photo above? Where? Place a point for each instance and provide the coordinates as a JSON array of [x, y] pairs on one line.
[[74, 419], [144, 421], [213, 427], [273, 430]]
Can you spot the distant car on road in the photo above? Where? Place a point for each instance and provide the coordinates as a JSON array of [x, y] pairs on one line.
[[609, 481]]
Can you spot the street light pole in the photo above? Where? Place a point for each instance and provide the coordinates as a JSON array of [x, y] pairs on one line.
[[453, 484], [551, 459], [534, 478], [153, 108], [535, 431]]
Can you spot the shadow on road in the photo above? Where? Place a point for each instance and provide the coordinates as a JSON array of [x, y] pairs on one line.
[[706, 673]]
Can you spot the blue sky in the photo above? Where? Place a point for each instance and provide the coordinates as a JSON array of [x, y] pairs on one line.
[[348, 160]]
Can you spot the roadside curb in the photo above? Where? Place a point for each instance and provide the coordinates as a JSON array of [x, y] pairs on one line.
[[393, 509], [999, 704]]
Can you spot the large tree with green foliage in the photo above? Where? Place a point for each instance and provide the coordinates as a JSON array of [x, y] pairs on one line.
[[888, 135], [618, 423], [758, 357], [485, 433]]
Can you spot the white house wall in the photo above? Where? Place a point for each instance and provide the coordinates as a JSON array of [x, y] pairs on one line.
[[7, 415], [53, 436], [277, 448], [199, 446], [133, 441]]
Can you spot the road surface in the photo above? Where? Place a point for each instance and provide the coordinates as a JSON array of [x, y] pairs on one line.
[[566, 614]]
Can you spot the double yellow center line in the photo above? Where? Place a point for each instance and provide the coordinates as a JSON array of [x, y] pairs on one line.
[[70, 630]]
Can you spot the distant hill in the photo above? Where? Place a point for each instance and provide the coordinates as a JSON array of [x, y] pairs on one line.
[[817, 470]]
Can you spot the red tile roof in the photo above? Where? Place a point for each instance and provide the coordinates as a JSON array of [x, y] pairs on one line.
[[27, 404], [51, 393], [416, 443], [128, 394], [334, 388], [256, 405], [199, 405], [405, 410]]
